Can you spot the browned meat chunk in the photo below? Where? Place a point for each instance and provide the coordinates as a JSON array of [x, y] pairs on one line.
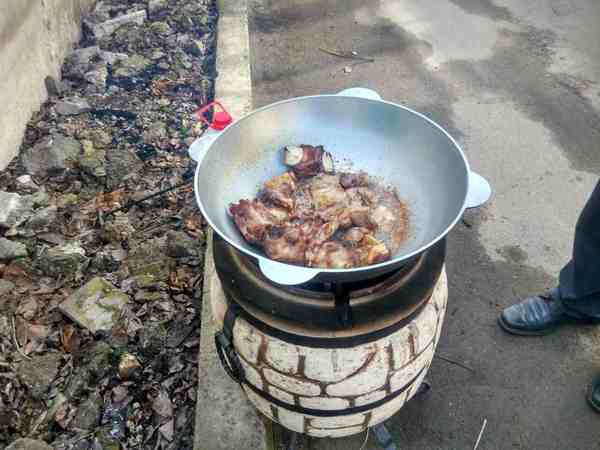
[[332, 255], [253, 219], [373, 254], [303, 205], [352, 180], [384, 218], [354, 235], [280, 191], [286, 245], [327, 191], [308, 161]]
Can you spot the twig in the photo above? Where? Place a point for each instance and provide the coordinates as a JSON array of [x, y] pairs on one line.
[[345, 55], [480, 434], [456, 363], [14, 330]]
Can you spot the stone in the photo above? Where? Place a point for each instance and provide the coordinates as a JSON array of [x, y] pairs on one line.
[[406, 374], [11, 249], [371, 397], [121, 164], [337, 422], [82, 56], [6, 286], [63, 260], [93, 160], [96, 306], [104, 439], [291, 384], [39, 222], [28, 444], [152, 339], [15, 209], [156, 6], [148, 258], [38, 373], [112, 57], [132, 65], [109, 258], [252, 375], [108, 27], [97, 76], [117, 230], [282, 356], [27, 183], [40, 199], [128, 366], [78, 382], [50, 154], [142, 282], [54, 87], [72, 106], [28, 308], [180, 245], [87, 416], [97, 359], [156, 133], [150, 296], [67, 200], [161, 28]]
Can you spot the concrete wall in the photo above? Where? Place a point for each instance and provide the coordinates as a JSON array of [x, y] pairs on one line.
[[35, 36]]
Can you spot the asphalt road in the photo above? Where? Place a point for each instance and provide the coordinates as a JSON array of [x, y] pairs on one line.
[[517, 83]]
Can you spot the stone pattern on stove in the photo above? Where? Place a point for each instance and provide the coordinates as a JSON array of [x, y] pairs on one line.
[[340, 378]]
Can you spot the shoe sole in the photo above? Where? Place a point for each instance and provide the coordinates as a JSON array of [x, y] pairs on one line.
[[518, 332]]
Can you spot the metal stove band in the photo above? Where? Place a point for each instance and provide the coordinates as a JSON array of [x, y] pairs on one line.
[[285, 310]]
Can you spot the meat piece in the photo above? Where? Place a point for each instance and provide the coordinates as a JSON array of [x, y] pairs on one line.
[[360, 216], [280, 191], [352, 180], [332, 255], [303, 204], [385, 218], [327, 191], [373, 254], [286, 245], [323, 233], [361, 196], [355, 235], [307, 161], [253, 219]]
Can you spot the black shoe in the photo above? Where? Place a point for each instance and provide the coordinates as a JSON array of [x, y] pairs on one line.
[[534, 316], [594, 394]]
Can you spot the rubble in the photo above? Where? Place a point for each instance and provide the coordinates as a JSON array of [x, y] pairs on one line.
[[15, 209], [11, 249], [63, 260], [28, 444], [72, 106], [50, 155], [106, 28], [115, 129], [38, 373], [95, 306]]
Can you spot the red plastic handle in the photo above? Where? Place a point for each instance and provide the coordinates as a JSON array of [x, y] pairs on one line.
[[220, 119]]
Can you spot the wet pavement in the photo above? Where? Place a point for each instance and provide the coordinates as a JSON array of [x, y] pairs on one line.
[[517, 83]]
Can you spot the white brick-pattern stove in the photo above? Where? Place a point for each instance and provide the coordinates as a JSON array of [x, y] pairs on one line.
[[334, 392]]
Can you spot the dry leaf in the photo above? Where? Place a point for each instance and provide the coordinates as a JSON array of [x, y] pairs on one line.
[[62, 416], [30, 336], [106, 201], [181, 278], [18, 275], [70, 339]]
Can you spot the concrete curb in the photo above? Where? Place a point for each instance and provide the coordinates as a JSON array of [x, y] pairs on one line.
[[225, 419]]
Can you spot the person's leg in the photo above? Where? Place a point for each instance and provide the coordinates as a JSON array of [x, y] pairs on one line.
[[580, 279], [578, 294]]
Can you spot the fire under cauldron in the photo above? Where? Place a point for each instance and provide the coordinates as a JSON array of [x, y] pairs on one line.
[[328, 359]]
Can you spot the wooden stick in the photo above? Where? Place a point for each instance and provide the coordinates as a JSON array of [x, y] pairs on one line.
[[456, 363]]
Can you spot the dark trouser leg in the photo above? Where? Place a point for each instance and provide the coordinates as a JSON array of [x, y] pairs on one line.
[[580, 278]]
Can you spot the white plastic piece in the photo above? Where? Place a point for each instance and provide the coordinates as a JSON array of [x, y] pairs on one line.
[[201, 145], [480, 190], [360, 92], [284, 273]]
